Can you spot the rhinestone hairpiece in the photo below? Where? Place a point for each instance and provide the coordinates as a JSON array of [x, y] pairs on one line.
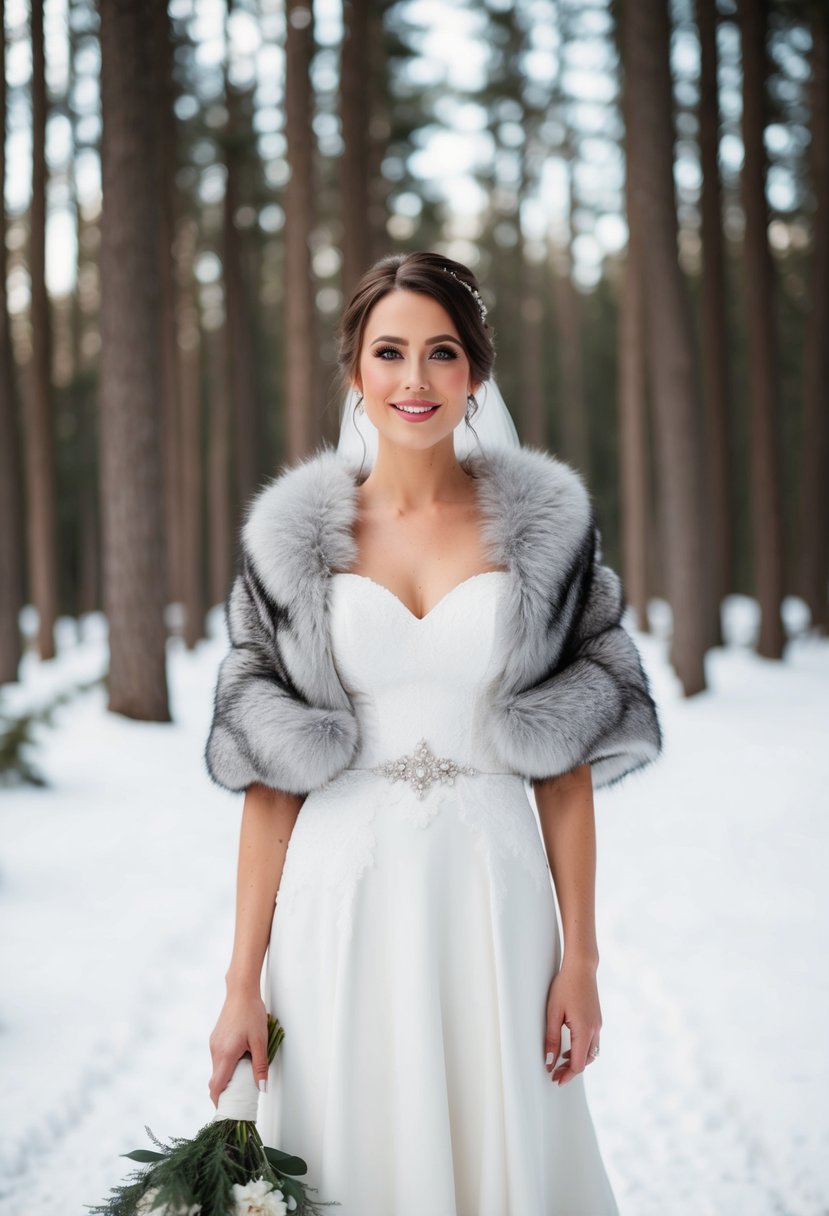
[[476, 294]]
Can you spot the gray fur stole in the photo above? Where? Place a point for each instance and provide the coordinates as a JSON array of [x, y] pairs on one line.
[[573, 690]]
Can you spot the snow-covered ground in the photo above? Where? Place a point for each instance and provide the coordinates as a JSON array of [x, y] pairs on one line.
[[116, 895]]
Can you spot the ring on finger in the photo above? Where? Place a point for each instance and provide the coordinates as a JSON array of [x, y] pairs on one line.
[[594, 1051]]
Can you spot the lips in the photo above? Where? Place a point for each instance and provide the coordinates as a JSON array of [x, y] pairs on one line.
[[415, 407]]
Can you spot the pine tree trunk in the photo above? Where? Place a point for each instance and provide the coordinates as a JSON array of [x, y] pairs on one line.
[[191, 438], [633, 432], [764, 388], [379, 131], [649, 143], [814, 490], [574, 421], [167, 313], [239, 348], [354, 120], [40, 440], [219, 528], [301, 346], [532, 351], [11, 543], [715, 371], [130, 380]]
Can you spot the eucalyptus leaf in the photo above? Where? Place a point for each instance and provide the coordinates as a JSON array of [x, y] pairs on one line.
[[144, 1154], [284, 1162]]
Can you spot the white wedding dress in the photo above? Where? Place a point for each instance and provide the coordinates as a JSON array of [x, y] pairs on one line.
[[413, 943]]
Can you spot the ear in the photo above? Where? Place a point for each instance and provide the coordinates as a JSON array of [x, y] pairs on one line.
[[474, 386]]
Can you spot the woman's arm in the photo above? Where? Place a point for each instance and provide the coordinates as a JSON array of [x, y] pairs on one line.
[[268, 818], [565, 809]]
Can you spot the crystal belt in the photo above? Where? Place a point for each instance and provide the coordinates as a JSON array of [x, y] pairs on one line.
[[423, 769]]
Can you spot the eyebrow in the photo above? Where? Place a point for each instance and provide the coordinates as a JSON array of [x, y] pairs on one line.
[[404, 341]]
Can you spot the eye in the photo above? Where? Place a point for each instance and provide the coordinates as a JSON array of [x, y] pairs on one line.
[[386, 350], [445, 350]]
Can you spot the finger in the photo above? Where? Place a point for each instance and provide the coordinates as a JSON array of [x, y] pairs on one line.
[[223, 1067], [553, 1037], [593, 1053], [561, 1067], [552, 1042], [579, 1045], [259, 1060]]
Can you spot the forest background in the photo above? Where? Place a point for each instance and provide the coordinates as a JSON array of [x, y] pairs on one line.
[[192, 189]]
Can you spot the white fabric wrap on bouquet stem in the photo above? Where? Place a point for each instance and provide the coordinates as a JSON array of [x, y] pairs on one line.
[[240, 1099]]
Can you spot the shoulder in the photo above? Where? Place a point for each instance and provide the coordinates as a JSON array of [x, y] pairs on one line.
[[528, 476], [300, 523], [538, 510]]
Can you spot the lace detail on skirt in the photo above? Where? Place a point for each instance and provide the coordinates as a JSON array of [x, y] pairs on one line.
[[334, 849], [502, 831]]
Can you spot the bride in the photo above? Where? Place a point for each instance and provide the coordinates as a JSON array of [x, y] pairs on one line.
[[427, 679]]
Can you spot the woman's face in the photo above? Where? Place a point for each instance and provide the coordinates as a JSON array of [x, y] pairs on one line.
[[413, 371]]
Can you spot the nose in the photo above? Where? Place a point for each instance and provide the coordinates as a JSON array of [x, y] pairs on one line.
[[415, 379]]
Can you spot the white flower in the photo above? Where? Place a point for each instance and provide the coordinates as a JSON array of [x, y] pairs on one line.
[[146, 1206], [260, 1199]]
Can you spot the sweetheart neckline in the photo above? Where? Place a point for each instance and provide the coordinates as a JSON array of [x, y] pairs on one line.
[[373, 582]]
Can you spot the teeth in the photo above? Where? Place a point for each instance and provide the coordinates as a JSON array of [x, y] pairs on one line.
[[415, 409]]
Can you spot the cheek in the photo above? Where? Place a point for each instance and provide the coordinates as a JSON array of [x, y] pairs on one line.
[[376, 374]]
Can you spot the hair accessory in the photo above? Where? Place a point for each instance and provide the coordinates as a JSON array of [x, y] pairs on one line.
[[476, 294]]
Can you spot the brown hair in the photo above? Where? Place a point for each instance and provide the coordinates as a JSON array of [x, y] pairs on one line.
[[425, 273]]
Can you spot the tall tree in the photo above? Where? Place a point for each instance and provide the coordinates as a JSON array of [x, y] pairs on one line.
[[130, 380], [715, 345], [814, 489], [11, 547], [167, 313], [301, 347], [633, 425], [40, 441], [355, 124], [189, 337], [219, 529], [645, 41], [763, 355], [240, 354]]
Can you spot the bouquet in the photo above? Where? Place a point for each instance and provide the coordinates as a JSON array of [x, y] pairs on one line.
[[225, 1170]]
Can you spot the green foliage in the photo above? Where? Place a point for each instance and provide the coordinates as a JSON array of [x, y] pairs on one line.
[[205, 1169], [18, 736]]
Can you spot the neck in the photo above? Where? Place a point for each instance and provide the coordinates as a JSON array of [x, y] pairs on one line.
[[405, 479]]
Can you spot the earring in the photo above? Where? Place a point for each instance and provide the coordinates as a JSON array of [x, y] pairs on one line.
[[470, 401], [359, 405]]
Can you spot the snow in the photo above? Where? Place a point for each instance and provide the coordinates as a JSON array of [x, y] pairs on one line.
[[116, 892]]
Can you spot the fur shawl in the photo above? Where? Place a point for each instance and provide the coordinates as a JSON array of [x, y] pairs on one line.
[[573, 690]]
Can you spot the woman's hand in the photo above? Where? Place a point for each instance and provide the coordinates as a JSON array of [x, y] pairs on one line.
[[573, 1001], [242, 1026]]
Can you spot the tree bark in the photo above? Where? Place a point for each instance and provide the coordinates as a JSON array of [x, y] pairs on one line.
[[574, 424], [532, 350], [673, 377], [11, 541], [167, 313], [189, 334], [354, 164], [379, 129], [715, 369], [219, 528], [40, 440], [239, 345], [763, 358], [303, 411], [633, 431], [814, 489], [130, 379]]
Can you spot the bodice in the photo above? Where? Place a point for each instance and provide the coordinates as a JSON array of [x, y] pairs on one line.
[[412, 678]]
